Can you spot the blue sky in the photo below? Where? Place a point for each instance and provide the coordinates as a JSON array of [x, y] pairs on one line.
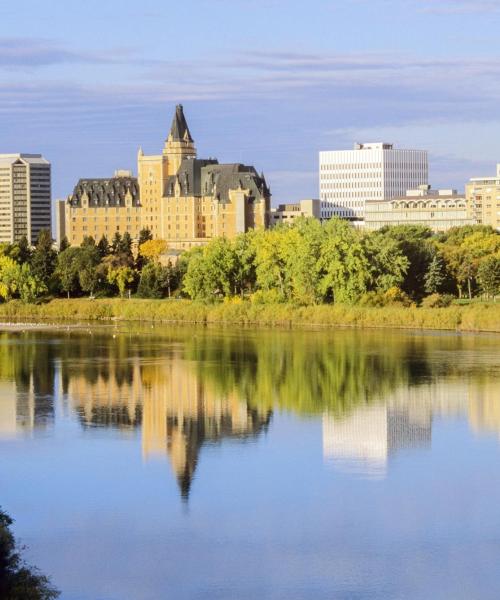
[[264, 82]]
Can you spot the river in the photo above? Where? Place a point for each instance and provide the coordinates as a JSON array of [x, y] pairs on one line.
[[194, 463]]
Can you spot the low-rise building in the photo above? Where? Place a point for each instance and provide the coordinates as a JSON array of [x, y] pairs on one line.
[[288, 213], [439, 210], [483, 199], [103, 207]]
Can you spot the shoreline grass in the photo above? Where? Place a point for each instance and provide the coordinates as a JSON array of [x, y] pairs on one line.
[[469, 318]]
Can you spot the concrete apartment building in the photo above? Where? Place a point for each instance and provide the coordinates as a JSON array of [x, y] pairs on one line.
[[25, 196], [373, 171], [288, 213], [483, 199], [182, 199], [439, 210]]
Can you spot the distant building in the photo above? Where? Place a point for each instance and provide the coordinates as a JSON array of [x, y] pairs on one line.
[[60, 208], [437, 209], [288, 213], [483, 199], [178, 197], [350, 178], [25, 196]]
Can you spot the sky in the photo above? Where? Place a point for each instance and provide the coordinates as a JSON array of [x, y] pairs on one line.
[[264, 82]]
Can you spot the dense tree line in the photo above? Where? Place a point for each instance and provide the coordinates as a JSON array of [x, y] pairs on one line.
[[306, 263], [312, 263]]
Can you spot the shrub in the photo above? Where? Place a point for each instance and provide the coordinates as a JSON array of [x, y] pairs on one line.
[[437, 301]]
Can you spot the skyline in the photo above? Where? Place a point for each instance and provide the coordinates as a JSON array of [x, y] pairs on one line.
[[89, 90]]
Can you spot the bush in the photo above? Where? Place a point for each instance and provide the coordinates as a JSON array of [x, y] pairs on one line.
[[393, 296], [437, 301]]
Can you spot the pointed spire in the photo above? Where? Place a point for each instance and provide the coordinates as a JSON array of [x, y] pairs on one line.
[[179, 132]]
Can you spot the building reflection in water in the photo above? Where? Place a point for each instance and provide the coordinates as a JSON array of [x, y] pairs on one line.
[[27, 379], [184, 392], [176, 410], [364, 439]]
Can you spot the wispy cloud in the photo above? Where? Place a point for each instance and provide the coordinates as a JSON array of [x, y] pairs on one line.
[[34, 53]]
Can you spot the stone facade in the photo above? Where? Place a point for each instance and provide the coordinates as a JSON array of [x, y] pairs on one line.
[[483, 200]]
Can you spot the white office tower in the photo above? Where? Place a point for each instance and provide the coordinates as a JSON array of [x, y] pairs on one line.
[[348, 178], [24, 196]]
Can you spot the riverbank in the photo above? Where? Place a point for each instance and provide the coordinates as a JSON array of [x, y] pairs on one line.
[[473, 317]]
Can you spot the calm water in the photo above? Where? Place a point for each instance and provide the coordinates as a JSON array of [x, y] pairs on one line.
[[207, 464]]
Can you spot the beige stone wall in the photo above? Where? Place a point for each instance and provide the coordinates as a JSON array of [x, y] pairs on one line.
[[96, 221], [483, 202]]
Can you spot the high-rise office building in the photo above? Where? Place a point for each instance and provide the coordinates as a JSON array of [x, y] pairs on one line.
[[25, 190], [348, 178]]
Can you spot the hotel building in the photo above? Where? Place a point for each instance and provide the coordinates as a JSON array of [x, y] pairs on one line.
[[182, 199], [483, 199], [349, 178], [25, 193]]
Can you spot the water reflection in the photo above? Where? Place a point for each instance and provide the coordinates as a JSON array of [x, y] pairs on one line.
[[26, 385], [377, 393]]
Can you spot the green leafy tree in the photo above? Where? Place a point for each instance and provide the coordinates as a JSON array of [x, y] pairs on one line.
[[88, 275], [489, 276], [122, 277], [210, 272], [387, 263], [29, 287], [116, 243], [19, 581], [67, 269], [156, 280], [343, 262], [415, 243], [9, 277]]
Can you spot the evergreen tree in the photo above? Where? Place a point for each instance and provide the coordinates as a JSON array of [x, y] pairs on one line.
[[43, 259], [21, 251], [116, 243], [64, 245], [125, 246], [103, 247], [88, 242], [435, 278], [144, 236]]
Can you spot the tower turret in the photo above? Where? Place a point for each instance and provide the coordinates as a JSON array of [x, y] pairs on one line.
[[179, 143]]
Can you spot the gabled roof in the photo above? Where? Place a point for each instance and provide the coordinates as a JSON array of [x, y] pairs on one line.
[[106, 192], [208, 178], [179, 131]]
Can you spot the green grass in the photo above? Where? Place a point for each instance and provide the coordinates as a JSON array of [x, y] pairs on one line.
[[472, 317]]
